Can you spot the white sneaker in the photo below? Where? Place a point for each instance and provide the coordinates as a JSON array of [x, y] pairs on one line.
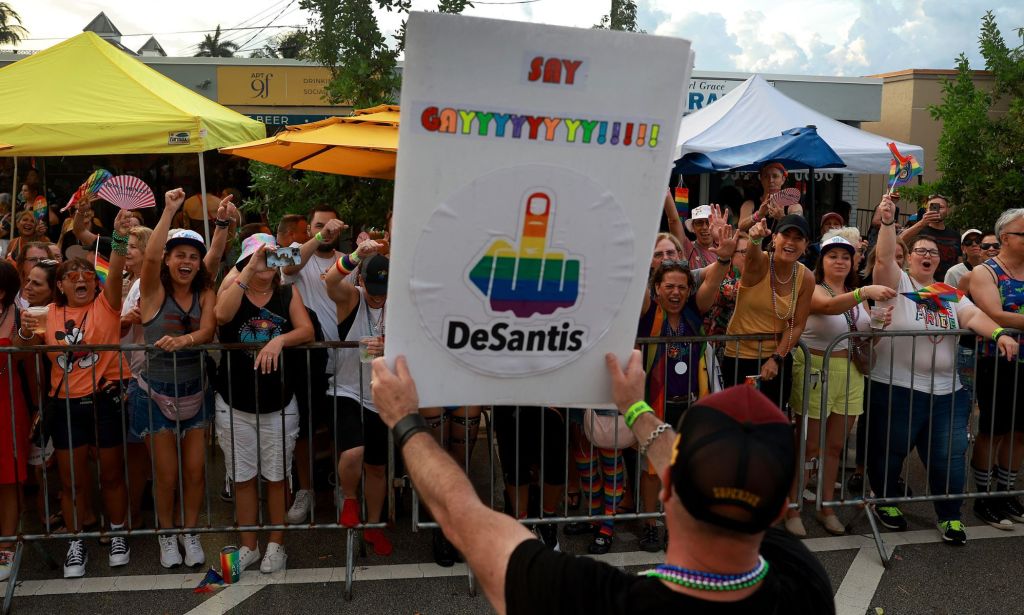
[[169, 555], [247, 557], [193, 549], [6, 562], [119, 552], [300, 507], [77, 558], [274, 560]]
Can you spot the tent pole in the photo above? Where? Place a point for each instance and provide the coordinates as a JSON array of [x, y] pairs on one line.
[[813, 206], [14, 197], [202, 199]]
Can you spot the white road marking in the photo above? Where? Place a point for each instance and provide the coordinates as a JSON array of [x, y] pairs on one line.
[[226, 599], [860, 583]]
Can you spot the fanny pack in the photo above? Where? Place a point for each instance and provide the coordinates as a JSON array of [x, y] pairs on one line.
[[174, 408]]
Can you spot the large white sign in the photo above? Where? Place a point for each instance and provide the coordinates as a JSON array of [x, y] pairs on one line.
[[530, 179]]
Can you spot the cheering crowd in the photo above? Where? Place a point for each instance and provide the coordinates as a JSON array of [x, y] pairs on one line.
[[762, 274]]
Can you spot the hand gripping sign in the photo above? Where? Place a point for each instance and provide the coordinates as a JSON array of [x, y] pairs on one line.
[[531, 279]]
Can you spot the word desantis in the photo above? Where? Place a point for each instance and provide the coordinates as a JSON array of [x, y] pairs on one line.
[[472, 122], [531, 279]]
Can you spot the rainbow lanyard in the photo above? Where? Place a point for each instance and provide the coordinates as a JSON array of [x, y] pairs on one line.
[[709, 581]]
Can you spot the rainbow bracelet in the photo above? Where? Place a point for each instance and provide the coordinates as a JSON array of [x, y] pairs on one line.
[[635, 411]]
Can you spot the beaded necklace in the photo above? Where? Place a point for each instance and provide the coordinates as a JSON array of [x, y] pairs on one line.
[[791, 313], [676, 348], [709, 581]]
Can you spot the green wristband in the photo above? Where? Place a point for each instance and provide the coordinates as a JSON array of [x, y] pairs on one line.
[[995, 334], [635, 411], [856, 295], [319, 237]]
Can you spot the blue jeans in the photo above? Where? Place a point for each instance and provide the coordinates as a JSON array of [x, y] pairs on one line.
[[935, 424], [146, 417]]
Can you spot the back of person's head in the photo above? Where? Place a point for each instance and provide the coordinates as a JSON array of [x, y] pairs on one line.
[[248, 230], [734, 461], [10, 283], [287, 226]]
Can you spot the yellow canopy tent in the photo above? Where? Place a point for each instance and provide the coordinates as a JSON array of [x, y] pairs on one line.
[[85, 97], [364, 145]]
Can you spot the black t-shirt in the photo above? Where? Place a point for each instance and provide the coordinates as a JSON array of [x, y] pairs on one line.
[[540, 581], [948, 242], [237, 382]]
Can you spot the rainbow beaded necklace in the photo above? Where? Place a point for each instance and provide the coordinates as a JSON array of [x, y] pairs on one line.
[[709, 581]]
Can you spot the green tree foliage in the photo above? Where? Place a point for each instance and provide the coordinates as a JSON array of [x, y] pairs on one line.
[[11, 30], [213, 47], [621, 17], [290, 45], [980, 150]]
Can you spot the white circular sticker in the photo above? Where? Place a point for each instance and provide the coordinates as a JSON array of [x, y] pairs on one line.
[[680, 368], [522, 270]]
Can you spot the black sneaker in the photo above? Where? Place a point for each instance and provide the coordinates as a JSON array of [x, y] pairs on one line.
[[891, 517], [444, 551], [992, 513], [602, 544], [77, 558], [549, 535], [1011, 507], [953, 532], [650, 540], [579, 528]]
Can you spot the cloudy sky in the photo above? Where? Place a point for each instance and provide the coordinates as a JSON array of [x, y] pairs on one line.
[[849, 37]]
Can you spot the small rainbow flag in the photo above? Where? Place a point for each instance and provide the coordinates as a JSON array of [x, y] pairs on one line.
[[901, 168], [936, 296], [682, 199], [101, 265]]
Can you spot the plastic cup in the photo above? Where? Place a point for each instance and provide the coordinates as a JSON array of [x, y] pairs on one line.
[[364, 349], [878, 317], [39, 313]]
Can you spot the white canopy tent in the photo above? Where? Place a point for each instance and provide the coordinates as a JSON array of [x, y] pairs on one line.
[[756, 110]]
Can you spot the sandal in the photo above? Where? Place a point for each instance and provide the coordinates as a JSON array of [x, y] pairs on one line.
[[602, 544]]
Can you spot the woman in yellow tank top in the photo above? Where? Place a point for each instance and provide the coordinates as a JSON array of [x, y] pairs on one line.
[[774, 298]]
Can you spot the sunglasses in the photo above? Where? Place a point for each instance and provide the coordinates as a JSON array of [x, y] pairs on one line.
[[990, 246], [675, 263], [969, 242], [1017, 233], [80, 276]]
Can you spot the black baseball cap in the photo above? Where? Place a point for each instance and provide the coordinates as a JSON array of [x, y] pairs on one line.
[[794, 221], [375, 275], [734, 460]]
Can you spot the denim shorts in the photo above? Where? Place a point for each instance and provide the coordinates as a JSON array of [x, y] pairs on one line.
[[147, 418]]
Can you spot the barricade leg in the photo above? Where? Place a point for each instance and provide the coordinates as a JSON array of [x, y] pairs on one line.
[[12, 581], [876, 532], [350, 561]]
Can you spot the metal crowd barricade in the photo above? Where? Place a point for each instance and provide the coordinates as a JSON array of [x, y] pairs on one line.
[[209, 512], [875, 495]]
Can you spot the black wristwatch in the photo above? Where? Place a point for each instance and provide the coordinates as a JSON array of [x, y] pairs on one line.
[[407, 428], [779, 359]]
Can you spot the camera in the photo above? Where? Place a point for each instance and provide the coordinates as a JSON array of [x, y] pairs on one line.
[[284, 257]]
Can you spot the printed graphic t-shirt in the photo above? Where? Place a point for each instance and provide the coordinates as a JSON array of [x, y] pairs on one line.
[[912, 357], [238, 383], [72, 372]]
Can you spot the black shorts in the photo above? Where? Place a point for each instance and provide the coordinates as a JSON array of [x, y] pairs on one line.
[[97, 420], [735, 371], [1000, 383], [356, 426], [524, 424]]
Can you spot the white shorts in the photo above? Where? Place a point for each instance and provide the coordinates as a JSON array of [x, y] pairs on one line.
[[276, 441]]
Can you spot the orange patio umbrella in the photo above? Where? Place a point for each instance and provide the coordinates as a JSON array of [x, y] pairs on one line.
[[364, 144]]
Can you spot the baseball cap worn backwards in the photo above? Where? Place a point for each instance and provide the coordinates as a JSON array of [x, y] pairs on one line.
[[375, 275], [734, 460]]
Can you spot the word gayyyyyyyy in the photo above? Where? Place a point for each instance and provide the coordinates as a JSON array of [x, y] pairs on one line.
[[504, 336]]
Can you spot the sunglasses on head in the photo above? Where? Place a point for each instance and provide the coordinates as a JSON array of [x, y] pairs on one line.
[[80, 276], [938, 196], [990, 246], [47, 262], [674, 263]]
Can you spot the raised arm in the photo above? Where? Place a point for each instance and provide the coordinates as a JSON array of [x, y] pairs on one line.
[[486, 538], [915, 229], [726, 239], [227, 214], [886, 271], [339, 288], [150, 287], [328, 234], [80, 222], [757, 261], [230, 296], [823, 303], [114, 289], [675, 223]]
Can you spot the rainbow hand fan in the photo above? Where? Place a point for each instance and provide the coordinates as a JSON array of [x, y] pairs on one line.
[[787, 197], [936, 296], [127, 192], [89, 187]]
